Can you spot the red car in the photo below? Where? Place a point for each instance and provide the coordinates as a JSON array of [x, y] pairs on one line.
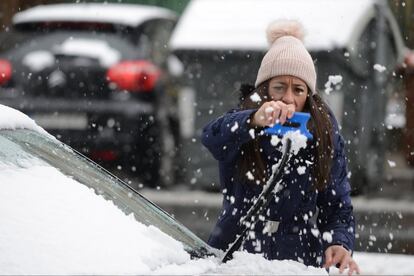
[[94, 76]]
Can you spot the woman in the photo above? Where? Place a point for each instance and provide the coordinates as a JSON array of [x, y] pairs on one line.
[[310, 220]]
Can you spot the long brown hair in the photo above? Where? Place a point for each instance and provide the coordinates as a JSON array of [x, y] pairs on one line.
[[320, 125]]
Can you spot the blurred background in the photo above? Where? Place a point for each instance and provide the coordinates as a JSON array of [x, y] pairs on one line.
[[130, 84]]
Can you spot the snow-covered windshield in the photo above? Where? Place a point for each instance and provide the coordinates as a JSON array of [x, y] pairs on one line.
[[35, 162]]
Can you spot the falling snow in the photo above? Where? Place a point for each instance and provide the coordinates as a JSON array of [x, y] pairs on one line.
[[252, 133], [315, 232], [255, 97], [250, 175], [391, 163], [299, 141], [380, 68], [301, 170], [243, 262], [327, 236], [333, 81], [274, 140], [234, 127]]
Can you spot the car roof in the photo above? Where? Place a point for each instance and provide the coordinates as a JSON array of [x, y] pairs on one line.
[[11, 118], [241, 24], [124, 14]]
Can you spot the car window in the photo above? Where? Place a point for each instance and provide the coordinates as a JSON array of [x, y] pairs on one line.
[[23, 148], [105, 48], [10, 39]]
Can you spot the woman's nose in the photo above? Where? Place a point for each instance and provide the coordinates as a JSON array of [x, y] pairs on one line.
[[288, 97]]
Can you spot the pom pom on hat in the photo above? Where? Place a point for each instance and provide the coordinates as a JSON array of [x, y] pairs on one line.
[[280, 28]]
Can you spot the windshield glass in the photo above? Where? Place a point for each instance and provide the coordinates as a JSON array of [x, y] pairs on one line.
[[26, 148]]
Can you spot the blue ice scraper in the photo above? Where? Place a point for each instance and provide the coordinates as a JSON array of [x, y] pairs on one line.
[[297, 122]]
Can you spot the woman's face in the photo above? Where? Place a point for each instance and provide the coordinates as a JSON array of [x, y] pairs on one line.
[[290, 90]]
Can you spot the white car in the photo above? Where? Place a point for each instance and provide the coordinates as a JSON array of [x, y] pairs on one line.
[[63, 214]]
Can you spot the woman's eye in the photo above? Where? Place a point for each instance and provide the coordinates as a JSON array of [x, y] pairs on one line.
[[279, 88], [299, 91]]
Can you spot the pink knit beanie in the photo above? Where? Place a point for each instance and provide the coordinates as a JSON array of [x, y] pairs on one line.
[[287, 54]]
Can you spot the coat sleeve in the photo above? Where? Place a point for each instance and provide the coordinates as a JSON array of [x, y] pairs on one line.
[[224, 136], [335, 220]]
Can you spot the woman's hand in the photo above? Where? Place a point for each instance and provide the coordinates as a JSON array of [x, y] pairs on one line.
[[336, 254], [272, 112]]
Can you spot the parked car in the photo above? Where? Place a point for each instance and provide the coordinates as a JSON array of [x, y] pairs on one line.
[[356, 41], [94, 75], [61, 213]]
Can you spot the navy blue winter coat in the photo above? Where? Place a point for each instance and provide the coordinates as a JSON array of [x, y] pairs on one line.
[[300, 222]]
